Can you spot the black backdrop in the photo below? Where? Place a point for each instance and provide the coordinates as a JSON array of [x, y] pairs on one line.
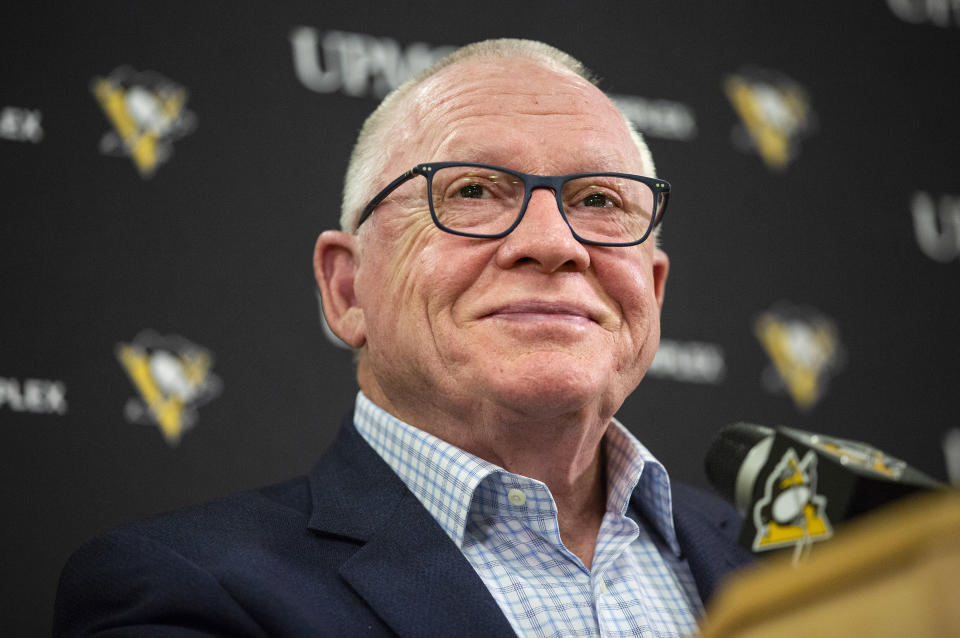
[[168, 165]]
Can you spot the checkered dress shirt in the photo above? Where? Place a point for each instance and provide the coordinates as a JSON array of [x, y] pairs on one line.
[[506, 526]]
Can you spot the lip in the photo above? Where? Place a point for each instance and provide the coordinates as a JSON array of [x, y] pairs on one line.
[[537, 310]]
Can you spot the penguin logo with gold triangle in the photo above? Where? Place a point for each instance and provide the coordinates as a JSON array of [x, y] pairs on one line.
[[791, 512], [148, 113], [173, 378]]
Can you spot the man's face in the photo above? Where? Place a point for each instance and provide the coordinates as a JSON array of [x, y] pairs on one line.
[[535, 322]]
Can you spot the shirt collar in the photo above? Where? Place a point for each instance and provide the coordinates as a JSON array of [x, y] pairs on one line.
[[445, 478], [634, 474]]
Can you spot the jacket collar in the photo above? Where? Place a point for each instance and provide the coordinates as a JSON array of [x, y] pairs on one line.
[[707, 530], [406, 568]]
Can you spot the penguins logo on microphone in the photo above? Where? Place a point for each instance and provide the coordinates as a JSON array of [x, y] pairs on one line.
[[173, 377], [790, 511]]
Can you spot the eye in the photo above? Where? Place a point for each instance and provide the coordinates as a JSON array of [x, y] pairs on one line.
[[598, 200], [472, 191]]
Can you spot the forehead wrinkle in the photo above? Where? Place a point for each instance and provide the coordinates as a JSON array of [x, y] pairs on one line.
[[465, 78], [587, 160], [596, 150], [473, 85], [489, 104]]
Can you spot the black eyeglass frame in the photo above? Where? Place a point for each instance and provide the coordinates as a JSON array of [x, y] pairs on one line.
[[660, 188]]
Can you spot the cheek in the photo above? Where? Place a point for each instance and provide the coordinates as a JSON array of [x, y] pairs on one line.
[[448, 272], [630, 285], [417, 272], [404, 249], [394, 254]]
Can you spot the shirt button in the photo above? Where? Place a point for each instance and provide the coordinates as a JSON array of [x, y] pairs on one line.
[[517, 497], [602, 588]]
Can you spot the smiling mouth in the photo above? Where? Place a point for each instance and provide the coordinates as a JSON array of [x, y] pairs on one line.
[[539, 311]]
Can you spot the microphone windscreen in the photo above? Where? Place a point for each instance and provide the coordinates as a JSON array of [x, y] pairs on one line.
[[727, 453]]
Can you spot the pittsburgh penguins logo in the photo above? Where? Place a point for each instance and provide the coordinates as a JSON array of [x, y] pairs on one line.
[[791, 511], [173, 377], [804, 349], [147, 112], [775, 114]]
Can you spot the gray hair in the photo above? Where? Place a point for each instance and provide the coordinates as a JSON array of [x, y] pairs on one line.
[[369, 158]]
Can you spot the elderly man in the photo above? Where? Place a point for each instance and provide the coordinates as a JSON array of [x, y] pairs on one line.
[[503, 294]]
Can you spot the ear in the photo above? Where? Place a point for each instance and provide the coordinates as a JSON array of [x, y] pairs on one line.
[[661, 267], [335, 262]]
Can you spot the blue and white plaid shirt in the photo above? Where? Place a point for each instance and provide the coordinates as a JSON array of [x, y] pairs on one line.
[[506, 526]]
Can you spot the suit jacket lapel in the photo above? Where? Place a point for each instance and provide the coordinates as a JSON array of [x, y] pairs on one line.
[[407, 569]]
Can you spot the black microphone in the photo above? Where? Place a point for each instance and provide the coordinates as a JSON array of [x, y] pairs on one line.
[[792, 486]]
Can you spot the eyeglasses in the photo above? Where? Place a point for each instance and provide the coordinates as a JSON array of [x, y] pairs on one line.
[[488, 202]]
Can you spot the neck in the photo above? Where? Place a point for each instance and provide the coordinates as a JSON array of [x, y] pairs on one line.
[[563, 451]]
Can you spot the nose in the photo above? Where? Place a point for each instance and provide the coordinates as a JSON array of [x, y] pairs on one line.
[[543, 239]]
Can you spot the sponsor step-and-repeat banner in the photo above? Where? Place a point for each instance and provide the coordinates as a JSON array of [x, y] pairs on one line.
[[168, 166]]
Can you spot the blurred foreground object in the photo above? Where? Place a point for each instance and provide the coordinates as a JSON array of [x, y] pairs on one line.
[[891, 573]]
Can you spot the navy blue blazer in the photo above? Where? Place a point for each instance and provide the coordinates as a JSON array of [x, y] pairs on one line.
[[347, 550]]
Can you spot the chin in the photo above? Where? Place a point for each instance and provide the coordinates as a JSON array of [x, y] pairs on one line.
[[554, 386]]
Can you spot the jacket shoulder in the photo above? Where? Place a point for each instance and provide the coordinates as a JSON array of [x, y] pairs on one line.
[[242, 565], [706, 505]]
